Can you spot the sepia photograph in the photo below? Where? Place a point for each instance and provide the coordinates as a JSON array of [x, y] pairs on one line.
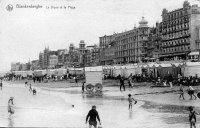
[[100, 63]]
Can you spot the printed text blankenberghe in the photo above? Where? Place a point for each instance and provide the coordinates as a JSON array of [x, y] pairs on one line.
[[28, 6]]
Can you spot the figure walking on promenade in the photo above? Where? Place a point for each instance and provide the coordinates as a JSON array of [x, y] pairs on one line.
[[191, 92], [92, 115], [130, 100], [192, 117], [10, 105]]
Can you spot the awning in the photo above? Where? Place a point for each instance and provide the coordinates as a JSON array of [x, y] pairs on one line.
[[173, 54], [193, 53]]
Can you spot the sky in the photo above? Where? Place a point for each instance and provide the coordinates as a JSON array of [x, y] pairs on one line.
[[24, 32]]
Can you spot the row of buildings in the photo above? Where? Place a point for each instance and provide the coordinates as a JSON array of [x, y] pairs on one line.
[[176, 37], [72, 57]]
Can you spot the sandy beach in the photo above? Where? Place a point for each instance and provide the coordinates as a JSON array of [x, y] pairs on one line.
[[52, 106]]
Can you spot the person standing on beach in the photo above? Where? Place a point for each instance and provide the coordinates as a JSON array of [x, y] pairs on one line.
[[191, 92], [26, 83], [76, 80], [192, 117], [170, 79], [34, 79], [93, 114], [10, 105], [83, 87], [181, 91], [130, 83], [30, 88], [1, 84], [130, 100], [121, 82]]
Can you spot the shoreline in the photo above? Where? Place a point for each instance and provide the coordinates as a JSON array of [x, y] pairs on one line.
[[112, 93]]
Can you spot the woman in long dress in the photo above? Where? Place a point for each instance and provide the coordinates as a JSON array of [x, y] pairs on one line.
[[10, 105]]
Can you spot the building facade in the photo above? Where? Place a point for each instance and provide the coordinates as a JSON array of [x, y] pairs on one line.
[[15, 66], [53, 61], [25, 67], [108, 54], [73, 56], [35, 65], [104, 47], [46, 58], [92, 56], [41, 60], [131, 46], [180, 32], [105, 40], [60, 58]]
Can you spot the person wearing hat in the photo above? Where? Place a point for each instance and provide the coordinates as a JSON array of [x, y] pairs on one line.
[[130, 100], [10, 104], [93, 114]]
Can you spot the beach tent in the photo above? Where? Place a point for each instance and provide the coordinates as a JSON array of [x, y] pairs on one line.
[[131, 69], [164, 69], [107, 70], [78, 71], [61, 72], [51, 72], [191, 69], [117, 71]]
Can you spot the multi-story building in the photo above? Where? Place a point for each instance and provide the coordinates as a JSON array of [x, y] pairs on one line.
[[34, 64], [46, 58], [95, 55], [25, 67], [15, 66], [53, 53], [180, 32], [53, 61], [66, 58], [88, 55], [60, 57], [105, 40], [153, 45], [92, 55], [73, 56], [108, 54], [41, 60], [104, 47], [82, 51], [131, 46]]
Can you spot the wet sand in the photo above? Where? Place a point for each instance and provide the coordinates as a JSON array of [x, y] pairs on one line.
[[51, 107]]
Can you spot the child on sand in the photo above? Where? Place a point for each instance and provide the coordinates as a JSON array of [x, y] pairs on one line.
[[130, 100], [30, 88], [192, 117]]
